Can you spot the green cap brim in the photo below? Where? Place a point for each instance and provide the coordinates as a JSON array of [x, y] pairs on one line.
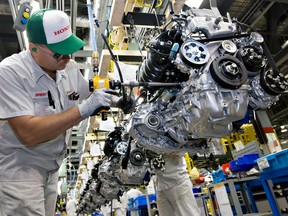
[[68, 46]]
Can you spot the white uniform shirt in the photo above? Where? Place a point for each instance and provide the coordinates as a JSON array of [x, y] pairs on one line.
[[24, 90], [133, 193], [71, 207], [175, 172]]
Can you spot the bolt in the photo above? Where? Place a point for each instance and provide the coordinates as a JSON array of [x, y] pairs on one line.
[[232, 68], [137, 156], [270, 76]]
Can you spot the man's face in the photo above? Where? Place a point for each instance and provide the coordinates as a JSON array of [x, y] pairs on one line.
[[49, 60]]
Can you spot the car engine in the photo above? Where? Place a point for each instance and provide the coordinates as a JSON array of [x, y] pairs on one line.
[[202, 74]]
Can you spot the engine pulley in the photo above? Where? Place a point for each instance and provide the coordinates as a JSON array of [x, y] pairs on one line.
[[252, 59], [122, 147], [228, 72], [137, 157], [273, 83], [194, 53], [229, 46], [158, 162]]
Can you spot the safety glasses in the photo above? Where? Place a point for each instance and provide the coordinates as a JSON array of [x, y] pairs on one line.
[[55, 55]]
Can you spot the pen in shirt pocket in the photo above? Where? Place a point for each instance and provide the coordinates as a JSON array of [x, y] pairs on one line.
[[50, 99]]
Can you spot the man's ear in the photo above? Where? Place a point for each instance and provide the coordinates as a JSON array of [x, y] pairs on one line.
[[33, 47]]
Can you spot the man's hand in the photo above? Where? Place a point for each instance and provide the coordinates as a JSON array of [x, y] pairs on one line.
[[99, 100], [127, 106]]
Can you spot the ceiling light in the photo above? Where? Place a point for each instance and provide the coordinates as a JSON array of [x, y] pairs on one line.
[[283, 130], [285, 44]]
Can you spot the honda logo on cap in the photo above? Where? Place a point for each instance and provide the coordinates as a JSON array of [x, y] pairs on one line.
[[62, 30], [56, 26]]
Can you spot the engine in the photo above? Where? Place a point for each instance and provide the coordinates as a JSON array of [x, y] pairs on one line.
[[201, 76]]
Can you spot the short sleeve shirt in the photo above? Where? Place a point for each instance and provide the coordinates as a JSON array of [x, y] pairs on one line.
[[24, 88]]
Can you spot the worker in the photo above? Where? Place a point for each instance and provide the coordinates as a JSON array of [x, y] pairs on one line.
[[71, 206], [39, 93], [174, 188], [106, 209], [119, 206]]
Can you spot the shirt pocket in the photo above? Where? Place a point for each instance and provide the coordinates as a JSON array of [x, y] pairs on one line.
[[42, 107], [69, 103]]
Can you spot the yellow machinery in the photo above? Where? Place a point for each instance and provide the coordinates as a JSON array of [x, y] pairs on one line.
[[247, 136]]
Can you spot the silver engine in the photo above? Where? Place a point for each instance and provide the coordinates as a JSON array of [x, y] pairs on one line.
[[200, 78]]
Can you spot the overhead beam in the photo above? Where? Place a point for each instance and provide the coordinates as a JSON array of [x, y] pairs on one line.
[[5, 10], [279, 1], [116, 13], [73, 15], [262, 13], [281, 56]]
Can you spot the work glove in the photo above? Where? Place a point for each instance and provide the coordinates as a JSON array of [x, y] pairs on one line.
[[127, 106], [99, 100]]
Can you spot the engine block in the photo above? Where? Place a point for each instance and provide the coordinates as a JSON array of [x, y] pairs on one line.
[[219, 71]]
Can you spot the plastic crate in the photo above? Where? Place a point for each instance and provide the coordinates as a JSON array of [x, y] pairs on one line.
[[196, 190], [97, 214], [250, 148], [226, 168], [218, 176], [244, 163], [130, 203], [276, 161], [141, 200], [234, 166]]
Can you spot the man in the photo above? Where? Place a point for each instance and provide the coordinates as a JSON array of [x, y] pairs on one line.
[[174, 189], [120, 206], [39, 90]]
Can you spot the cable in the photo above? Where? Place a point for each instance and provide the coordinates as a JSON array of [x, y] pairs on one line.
[[174, 20], [118, 68]]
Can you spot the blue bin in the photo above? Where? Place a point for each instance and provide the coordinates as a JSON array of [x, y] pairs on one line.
[[218, 176], [244, 163], [141, 200], [277, 161]]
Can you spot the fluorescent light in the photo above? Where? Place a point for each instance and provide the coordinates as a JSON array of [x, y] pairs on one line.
[[282, 126], [283, 130], [285, 44], [194, 3]]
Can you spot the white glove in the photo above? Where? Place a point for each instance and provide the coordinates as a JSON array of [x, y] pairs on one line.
[[97, 101]]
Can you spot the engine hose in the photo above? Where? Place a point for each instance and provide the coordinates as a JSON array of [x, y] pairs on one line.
[[175, 20]]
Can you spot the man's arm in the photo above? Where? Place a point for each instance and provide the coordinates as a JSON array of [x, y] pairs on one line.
[[33, 130]]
